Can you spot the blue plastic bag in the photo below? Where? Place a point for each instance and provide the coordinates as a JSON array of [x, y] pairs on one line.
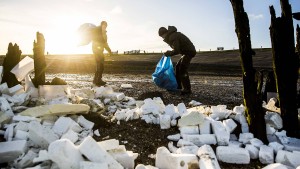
[[164, 75]]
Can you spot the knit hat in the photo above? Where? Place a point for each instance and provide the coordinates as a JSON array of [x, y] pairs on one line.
[[162, 30]]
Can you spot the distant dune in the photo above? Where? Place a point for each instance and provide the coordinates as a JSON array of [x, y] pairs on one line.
[[210, 62]]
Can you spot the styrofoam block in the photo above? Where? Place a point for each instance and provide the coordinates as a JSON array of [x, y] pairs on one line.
[[221, 133], [194, 103], [126, 86], [21, 135], [33, 92], [292, 144], [116, 96], [151, 106], [208, 159], [288, 158], [274, 120], [230, 125], [245, 127], [173, 122], [200, 140], [276, 146], [95, 153], [40, 135], [9, 132], [172, 148], [182, 143], [49, 92], [93, 165], [24, 67], [4, 88], [266, 154], [63, 124], [205, 127], [70, 135], [85, 123], [235, 144], [126, 159], [109, 144], [190, 119], [187, 150], [4, 118], [219, 112], [17, 89], [165, 121], [65, 154], [253, 151], [24, 118], [43, 156], [27, 160], [256, 142], [10, 150], [270, 129], [239, 109], [174, 137], [233, 137], [171, 110], [245, 137], [189, 130], [233, 155], [103, 91], [5, 107], [167, 160], [142, 166], [181, 109], [56, 110], [28, 83], [277, 166], [240, 118]]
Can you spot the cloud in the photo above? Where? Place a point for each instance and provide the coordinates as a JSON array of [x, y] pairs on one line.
[[116, 10], [256, 17]]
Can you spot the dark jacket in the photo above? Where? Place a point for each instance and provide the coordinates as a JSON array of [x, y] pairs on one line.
[[99, 39], [179, 43]]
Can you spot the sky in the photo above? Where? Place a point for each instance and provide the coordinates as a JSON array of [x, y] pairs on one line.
[[132, 24]]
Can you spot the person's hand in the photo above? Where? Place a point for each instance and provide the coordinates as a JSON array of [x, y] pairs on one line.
[[168, 53]]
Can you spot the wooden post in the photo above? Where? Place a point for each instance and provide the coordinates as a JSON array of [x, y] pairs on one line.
[[285, 65], [298, 40], [39, 60], [251, 79], [12, 58]]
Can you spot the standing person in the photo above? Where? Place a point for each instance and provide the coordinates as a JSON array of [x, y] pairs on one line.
[[99, 43], [180, 45]]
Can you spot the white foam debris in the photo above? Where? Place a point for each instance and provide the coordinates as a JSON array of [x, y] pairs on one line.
[[57, 134], [126, 86], [233, 155]]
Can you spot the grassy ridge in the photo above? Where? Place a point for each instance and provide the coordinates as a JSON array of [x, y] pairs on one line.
[[209, 62]]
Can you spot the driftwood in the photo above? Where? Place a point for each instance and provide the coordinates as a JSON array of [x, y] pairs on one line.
[[252, 80], [285, 65], [12, 58], [39, 60]]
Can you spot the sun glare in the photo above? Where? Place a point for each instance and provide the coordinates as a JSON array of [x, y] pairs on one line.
[[62, 38]]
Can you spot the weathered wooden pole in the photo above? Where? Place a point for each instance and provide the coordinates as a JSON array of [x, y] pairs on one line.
[[12, 58], [285, 65], [298, 40], [39, 59], [251, 79]]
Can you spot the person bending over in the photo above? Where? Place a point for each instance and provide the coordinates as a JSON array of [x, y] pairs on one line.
[[180, 45]]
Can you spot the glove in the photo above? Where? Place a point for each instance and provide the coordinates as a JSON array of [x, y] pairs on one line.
[[168, 53]]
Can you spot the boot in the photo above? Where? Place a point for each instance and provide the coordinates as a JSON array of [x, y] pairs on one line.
[[186, 84]]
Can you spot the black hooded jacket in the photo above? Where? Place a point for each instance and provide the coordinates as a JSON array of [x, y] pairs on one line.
[[179, 43]]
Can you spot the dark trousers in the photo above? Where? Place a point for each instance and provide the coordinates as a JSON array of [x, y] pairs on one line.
[[99, 59], [181, 72]]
